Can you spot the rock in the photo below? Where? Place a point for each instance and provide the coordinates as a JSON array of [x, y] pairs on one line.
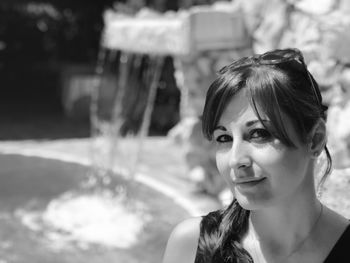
[[274, 21], [252, 13], [302, 33], [316, 7], [338, 125]]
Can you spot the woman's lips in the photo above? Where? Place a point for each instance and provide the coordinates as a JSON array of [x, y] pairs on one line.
[[248, 181]]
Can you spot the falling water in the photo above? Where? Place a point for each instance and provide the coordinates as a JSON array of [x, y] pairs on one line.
[[106, 132], [120, 218], [104, 210]]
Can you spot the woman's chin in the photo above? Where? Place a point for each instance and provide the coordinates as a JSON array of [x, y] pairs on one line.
[[250, 202]]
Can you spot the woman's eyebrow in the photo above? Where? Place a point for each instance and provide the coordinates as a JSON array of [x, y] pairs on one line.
[[253, 122], [248, 124], [222, 128]]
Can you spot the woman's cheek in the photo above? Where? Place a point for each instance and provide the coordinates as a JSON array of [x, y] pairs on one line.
[[279, 162], [268, 158], [269, 153], [222, 163]]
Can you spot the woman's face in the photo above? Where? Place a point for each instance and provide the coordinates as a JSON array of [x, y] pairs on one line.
[[258, 168]]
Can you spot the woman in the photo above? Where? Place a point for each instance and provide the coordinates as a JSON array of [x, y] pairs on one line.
[[266, 117]]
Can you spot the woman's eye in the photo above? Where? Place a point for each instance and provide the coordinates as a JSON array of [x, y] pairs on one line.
[[223, 138], [260, 135]]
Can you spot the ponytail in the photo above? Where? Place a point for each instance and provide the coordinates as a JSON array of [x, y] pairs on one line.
[[221, 235]]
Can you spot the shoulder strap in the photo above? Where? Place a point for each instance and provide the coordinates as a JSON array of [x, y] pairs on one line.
[[340, 251]]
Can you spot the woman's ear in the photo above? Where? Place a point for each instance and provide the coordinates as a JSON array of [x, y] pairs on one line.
[[317, 138]]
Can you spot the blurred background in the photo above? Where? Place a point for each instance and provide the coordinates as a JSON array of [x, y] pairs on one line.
[[101, 149]]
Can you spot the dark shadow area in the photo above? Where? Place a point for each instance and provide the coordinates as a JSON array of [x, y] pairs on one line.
[[37, 42], [30, 106], [45, 126]]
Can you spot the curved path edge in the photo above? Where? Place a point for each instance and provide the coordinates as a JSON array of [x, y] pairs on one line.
[[167, 190]]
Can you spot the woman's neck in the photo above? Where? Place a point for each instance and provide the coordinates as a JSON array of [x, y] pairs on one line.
[[284, 229]]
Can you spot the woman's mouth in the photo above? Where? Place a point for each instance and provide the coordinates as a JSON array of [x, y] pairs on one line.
[[249, 182]]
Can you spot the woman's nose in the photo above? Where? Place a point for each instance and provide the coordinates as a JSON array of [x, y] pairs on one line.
[[239, 156]]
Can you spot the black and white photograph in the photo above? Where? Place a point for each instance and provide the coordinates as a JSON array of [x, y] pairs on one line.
[[175, 131]]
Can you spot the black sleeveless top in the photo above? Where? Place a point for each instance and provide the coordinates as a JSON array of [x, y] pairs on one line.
[[340, 252]]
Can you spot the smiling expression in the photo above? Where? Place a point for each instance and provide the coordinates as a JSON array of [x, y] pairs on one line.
[[258, 167]]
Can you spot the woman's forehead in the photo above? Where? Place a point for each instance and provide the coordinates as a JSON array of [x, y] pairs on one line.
[[239, 111]]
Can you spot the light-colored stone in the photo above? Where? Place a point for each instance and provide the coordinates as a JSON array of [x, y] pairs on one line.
[[177, 34], [316, 7], [274, 21], [303, 33]]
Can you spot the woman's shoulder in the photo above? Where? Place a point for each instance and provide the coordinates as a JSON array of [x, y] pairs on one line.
[[340, 250], [334, 234], [183, 242]]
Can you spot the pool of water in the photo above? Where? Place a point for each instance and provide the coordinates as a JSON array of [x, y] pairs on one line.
[[45, 216]]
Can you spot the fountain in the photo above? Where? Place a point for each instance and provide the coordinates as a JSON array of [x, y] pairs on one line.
[[100, 209], [46, 217], [63, 207]]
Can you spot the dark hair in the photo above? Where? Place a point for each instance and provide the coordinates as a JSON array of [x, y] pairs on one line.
[[275, 82]]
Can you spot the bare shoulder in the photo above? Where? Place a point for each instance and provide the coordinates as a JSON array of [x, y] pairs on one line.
[[333, 226], [183, 242], [335, 219]]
